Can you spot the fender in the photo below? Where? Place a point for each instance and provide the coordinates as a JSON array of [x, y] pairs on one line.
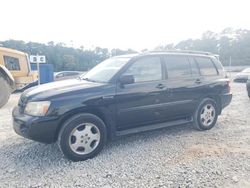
[[6, 73]]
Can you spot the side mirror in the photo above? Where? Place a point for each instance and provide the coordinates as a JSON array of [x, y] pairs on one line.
[[59, 75], [127, 79]]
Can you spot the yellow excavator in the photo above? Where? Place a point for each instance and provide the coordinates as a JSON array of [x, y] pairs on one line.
[[15, 73]]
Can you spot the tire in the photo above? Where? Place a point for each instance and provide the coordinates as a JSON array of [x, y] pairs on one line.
[[5, 91], [206, 115], [82, 137]]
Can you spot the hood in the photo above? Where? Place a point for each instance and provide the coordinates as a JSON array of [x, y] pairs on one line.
[[59, 87]]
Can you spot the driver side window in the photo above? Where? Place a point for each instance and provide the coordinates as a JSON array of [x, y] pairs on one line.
[[146, 69]]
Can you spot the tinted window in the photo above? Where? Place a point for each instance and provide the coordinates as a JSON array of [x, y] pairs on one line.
[[11, 63], [194, 67], [146, 69], [207, 67], [177, 66]]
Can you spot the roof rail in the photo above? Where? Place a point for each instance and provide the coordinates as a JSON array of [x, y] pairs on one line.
[[183, 51]]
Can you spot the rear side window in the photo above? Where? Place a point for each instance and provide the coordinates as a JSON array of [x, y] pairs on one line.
[[194, 67], [178, 67], [206, 66], [11, 63]]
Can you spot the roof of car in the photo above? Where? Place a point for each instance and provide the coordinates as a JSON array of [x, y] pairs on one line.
[[170, 52], [127, 55]]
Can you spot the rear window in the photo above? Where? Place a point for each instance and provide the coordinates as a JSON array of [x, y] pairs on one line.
[[178, 66], [207, 67]]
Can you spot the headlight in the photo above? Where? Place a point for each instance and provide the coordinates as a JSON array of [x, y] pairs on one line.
[[39, 108]]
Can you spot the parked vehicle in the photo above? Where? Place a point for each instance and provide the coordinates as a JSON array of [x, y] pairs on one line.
[[67, 75], [242, 76], [248, 86], [123, 95], [15, 73]]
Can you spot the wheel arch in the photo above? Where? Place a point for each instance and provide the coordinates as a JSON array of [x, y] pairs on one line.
[[94, 111], [217, 101]]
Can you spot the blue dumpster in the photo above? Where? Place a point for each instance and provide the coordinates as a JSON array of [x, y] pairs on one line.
[[46, 72]]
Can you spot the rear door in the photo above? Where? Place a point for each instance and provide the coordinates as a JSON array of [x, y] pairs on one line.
[[209, 76], [183, 81]]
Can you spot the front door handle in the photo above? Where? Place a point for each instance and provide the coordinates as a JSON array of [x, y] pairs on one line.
[[160, 86]]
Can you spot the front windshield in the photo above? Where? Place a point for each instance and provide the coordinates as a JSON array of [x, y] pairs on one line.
[[246, 70], [104, 71]]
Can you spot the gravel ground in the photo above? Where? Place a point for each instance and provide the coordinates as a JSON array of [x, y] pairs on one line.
[[173, 157]]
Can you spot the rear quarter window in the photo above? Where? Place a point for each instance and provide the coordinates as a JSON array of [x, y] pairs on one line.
[[207, 67]]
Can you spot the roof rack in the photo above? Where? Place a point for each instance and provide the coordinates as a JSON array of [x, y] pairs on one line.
[[183, 51]]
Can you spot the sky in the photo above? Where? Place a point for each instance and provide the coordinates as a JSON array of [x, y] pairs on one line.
[[135, 24]]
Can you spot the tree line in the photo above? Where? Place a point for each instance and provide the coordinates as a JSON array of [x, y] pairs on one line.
[[229, 44]]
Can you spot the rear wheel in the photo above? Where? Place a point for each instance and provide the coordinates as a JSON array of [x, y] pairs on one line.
[[4, 92], [82, 137], [206, 114]]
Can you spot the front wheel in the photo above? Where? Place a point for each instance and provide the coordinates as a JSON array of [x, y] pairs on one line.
[[206, 115], [82, 137]]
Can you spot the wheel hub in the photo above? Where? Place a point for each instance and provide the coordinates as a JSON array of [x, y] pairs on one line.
[[207, 115], [84, 138]]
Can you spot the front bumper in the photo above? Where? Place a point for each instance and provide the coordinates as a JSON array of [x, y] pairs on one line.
[[225, 100], [41, 129]]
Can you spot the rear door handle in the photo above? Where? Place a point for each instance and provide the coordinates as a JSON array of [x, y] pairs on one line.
[[108, 97], [160, 86]]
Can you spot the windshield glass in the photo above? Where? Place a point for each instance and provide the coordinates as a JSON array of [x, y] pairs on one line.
[[246, 70], [104, 71]]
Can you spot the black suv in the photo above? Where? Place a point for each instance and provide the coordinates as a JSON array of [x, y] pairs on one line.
[[123, 95]]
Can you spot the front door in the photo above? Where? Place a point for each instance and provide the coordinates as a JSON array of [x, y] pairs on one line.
[[139, 103]]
